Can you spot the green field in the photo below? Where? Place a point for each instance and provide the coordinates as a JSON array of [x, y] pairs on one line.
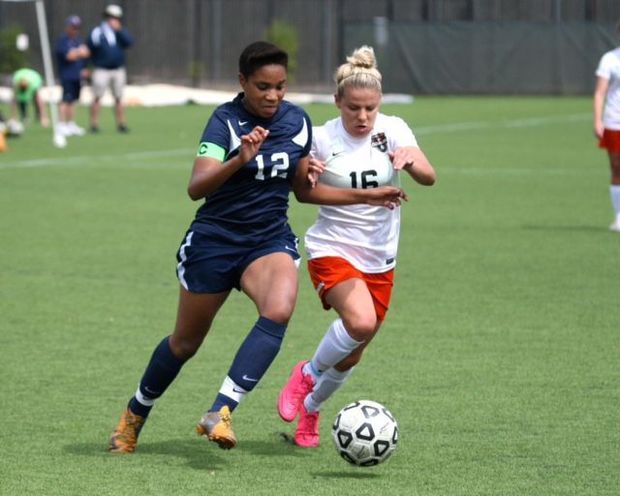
[[499, 357]]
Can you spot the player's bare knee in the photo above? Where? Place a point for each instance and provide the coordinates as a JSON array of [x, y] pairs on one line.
[[185, 348], [351, 361], [361, 327], [280, 313]]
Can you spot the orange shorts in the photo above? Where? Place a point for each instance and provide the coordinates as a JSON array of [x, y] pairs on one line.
[[326, 272], [610, 140]]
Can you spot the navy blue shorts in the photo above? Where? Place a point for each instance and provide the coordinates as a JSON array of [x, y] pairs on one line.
[[207, 265], [71, 90]]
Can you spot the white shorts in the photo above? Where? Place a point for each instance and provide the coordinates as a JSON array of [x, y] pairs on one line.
[[115, 79]]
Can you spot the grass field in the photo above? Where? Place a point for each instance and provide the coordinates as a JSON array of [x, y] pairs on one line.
[[499, 356]]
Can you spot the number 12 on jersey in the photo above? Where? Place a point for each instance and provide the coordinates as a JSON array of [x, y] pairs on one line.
[[279, 167]]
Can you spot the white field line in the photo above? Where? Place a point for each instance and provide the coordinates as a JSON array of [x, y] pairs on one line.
[[514, 172], [128, 159], [510, 123], [514, 123], [136, 157]]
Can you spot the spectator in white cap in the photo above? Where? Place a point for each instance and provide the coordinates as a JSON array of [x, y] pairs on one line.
[[114, 11], [107, 43]]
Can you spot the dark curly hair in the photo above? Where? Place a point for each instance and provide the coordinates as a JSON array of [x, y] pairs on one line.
[[258, 54]]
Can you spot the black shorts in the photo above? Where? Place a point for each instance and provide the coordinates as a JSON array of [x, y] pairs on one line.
[[208, 265], [71, 90]]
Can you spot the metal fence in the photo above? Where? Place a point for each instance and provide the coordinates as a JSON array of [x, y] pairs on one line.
[[197, 42]]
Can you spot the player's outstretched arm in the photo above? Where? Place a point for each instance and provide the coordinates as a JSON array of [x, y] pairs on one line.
[[315, 169], [208, 173], [323, 194], [413, 160], [600, 93]]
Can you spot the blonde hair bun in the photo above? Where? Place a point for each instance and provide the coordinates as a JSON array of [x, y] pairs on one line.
[[363, 56], [359, 71]]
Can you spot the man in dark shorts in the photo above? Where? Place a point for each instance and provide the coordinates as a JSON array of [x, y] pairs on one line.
[[71, 55]]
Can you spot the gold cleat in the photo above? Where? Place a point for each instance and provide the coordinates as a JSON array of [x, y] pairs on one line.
[[125, 436], [217, 427]]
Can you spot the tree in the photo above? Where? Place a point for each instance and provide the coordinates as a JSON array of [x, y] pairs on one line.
[[284, 35], [11, 58]]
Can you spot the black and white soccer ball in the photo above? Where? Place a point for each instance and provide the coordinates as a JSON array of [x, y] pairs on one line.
[[365, 433], [14, 128]]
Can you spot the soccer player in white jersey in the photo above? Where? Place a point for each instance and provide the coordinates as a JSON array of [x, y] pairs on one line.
[[607, 120], [351, 249]]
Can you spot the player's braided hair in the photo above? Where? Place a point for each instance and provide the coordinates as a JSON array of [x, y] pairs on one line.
[[359, 71]]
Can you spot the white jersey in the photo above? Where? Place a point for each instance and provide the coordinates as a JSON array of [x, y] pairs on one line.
[[609, 68], [364, 235]]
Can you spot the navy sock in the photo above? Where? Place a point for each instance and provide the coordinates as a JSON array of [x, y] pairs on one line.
[[253, 358], [220, 401], [159, 374]]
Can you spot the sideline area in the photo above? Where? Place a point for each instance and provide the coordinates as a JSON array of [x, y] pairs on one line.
[[155, 95]]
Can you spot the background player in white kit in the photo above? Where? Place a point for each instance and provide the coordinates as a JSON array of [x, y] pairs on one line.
[[607, 122], [351, 249]]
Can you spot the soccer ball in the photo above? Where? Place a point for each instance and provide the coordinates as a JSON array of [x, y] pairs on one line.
[[14, 127], [365, 433], [59, 140]]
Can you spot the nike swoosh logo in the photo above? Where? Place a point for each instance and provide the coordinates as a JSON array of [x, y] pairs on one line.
[[146, 388], [286, 247], [250, 379], [242, 123], [238, 391]]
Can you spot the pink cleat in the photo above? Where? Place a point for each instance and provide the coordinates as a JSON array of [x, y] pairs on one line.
[[293, 393], [307, 432]]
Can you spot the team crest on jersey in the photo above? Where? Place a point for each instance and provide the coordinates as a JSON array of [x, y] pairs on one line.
[[379, 141]]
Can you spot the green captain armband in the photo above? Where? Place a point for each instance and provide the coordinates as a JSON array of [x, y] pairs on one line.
[[212, 150]]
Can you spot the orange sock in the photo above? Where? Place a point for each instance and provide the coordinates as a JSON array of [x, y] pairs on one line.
[[3, 145]]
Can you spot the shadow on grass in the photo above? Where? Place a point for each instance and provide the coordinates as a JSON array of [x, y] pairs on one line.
[[197, 454], [354, 473], [279, 444]]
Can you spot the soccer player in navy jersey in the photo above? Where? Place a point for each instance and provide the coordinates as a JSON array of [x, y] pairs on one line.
[[253, 150]]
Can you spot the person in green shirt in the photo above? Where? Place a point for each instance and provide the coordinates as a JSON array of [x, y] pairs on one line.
[[26, 86]]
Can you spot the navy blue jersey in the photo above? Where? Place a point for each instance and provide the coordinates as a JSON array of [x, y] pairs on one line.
[[68, 70], [251, 206], [107, 47]]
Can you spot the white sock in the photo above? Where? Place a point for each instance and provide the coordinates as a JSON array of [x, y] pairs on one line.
[[143, 400], [334, 347], [231, 389], [328, 384], [614, 191], [308, 369]]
